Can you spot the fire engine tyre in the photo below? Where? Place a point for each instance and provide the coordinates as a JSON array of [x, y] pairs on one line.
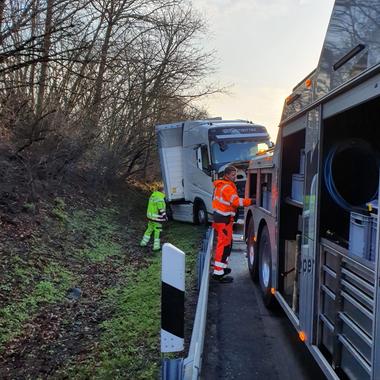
[[200, 214], [252, 256], [265, 268]]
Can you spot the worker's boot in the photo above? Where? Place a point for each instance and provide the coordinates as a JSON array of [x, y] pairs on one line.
[[145, 240], [222, 278], [226, 271], [156, 245]]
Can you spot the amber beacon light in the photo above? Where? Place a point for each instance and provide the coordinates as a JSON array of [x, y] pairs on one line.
[[302, 336]]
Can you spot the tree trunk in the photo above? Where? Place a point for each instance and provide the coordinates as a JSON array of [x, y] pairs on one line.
[[45, 57], [80, 77], [102, 69], [2, 6], [33, 65]]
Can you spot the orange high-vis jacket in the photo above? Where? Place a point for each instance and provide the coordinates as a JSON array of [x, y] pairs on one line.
[[226, 199]]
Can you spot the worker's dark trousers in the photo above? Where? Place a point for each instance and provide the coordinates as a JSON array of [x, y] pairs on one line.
[[223, 249]]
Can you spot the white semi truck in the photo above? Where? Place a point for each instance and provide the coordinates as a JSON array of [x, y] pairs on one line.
[[192, 153], [312, 236]]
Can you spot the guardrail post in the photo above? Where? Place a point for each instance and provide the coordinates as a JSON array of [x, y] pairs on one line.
[[172, 369]]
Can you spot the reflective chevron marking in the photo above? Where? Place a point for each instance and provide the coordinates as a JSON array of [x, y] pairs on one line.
[[172, 299]]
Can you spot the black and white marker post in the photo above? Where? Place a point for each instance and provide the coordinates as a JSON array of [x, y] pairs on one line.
[[172, 305], [172, 299]]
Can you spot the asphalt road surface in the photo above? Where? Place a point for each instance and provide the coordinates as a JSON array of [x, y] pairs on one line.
[[244, 340]]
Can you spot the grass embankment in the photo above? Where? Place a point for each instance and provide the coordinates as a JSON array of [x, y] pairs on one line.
[[79, 298]]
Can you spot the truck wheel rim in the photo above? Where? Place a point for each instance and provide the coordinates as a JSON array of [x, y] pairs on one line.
[[265, 268], [265, 273], [251, 254]]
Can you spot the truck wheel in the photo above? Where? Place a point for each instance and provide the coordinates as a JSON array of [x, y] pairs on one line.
[[252, 256], [265, 268], [169, 211], [200, 214]]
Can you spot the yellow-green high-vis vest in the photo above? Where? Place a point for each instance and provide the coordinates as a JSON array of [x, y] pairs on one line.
[[157, 207]]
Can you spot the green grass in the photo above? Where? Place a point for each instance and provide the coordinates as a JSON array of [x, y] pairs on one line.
[[98, 224], [102, 250], [59, 211], [40, 279], [51, 289], [100, 230], [129, 341], [129, 345]]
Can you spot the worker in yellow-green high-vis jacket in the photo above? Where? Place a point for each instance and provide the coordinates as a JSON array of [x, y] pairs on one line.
[[156, 214]]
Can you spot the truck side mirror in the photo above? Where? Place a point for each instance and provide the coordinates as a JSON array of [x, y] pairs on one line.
[[207, 170]]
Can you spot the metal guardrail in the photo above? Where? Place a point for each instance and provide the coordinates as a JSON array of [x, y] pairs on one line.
[[190, 367], [201, 260], [193, 362]]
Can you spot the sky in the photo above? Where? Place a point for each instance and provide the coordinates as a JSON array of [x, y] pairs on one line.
[[263, 48]]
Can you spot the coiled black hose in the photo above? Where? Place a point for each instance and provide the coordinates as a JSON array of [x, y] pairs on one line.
[[351, 174]]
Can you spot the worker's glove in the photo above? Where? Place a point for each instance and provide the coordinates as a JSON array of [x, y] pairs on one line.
[[164, 216], [253, 201]]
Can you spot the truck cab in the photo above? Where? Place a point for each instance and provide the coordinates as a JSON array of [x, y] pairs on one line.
[[195, 153]]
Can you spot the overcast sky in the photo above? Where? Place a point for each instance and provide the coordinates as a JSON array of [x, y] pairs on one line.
[[264, 48]]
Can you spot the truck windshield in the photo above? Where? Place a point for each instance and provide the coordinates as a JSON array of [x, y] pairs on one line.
[[229, 151]]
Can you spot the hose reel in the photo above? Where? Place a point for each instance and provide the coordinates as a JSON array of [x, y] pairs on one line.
[[351, 174]]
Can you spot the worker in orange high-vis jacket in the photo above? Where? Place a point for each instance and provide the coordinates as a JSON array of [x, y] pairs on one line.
[[225, 203]]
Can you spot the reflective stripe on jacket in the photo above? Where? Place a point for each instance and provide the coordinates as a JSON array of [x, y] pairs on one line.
[[226, 199], [156, 207]]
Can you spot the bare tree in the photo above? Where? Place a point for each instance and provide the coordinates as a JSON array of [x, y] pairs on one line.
[[86, 81]]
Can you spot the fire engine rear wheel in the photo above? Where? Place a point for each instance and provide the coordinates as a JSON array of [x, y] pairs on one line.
[[252, 256], [200, 214], [265, 268]]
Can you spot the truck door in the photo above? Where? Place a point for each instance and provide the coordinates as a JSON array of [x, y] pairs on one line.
[[309, 242], [202, 179]]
